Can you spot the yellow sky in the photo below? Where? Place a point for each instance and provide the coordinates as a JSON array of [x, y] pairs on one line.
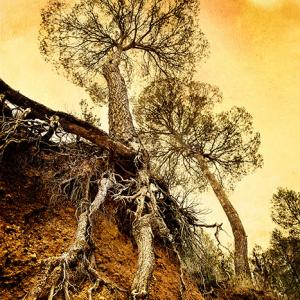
[[255, 59]]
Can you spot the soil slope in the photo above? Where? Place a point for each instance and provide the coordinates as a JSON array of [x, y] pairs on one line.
[[32, 230]]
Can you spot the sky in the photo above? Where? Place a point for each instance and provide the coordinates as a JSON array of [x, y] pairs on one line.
[[254, 59]]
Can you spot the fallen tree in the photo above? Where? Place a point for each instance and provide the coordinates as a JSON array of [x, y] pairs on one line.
[[68, 122]]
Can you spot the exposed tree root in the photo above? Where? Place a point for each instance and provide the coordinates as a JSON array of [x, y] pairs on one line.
[[61, 271], [148, 223], [143, 236]]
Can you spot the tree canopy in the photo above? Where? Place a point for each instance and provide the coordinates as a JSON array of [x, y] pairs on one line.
[[78, 39], [178, 120], [286, 210], [278, 267]]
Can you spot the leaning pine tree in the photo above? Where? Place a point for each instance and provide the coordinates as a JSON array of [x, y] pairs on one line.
[[178, 124], [103, 39]]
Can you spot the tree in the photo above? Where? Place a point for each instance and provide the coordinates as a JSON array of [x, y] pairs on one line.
[[278, 266], [97, 37], [178, 123], [104, 38], [286, 210]]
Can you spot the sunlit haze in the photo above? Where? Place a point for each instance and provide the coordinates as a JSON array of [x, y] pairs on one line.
[[267, 3]]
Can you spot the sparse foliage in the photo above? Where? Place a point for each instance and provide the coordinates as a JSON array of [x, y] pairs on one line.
[[78, 39], [88, 114], [206, 262], [177, 120], [286, 210]]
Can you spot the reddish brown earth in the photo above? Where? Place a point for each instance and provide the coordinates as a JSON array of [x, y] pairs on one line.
[[31, 230]]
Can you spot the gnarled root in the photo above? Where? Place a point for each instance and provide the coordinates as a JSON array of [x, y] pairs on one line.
[[78, 260], [144, 228], [142, 233]]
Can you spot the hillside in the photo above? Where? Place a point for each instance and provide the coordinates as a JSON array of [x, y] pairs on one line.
[[32, 230]]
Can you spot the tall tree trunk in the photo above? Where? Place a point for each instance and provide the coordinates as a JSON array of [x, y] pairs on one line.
[[241, 263], [120, 120], [122, 129]]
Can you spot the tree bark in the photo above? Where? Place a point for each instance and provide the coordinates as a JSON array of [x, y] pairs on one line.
[[241, 263], [121, 125], [143, 235]]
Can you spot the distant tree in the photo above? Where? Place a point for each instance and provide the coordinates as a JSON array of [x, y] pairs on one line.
[[278, 267], [97, 37], [286, 210], [177, 121]]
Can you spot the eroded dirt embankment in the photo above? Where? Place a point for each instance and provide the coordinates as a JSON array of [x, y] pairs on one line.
[[31, 231]]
